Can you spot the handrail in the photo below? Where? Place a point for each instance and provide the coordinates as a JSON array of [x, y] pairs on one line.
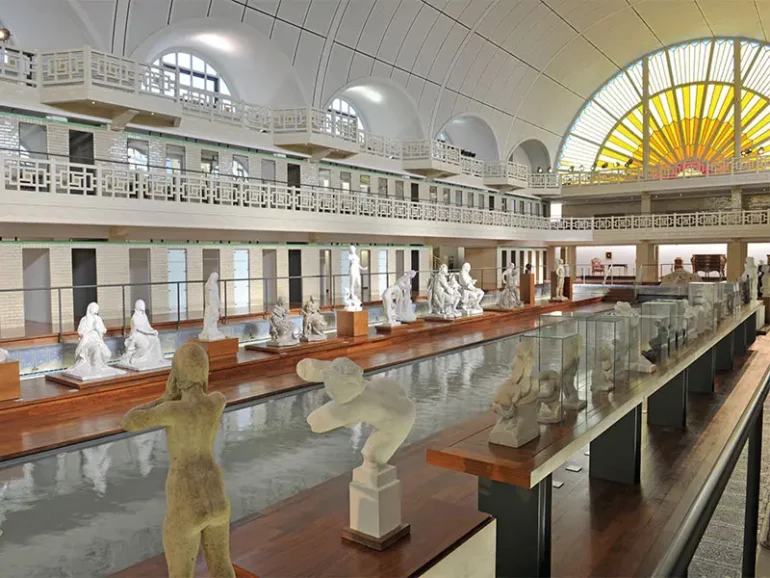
[[685, 542]]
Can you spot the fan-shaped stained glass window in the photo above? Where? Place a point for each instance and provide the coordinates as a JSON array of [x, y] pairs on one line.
[[692, 89]]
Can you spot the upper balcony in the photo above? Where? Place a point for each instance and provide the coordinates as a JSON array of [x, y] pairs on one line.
[[506, 175], [431, 158], [316, 133]]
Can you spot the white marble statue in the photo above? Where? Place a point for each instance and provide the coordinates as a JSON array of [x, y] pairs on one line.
[[354, 277], [4, 357], [515, 402], [571, 354], [764, 290], [375, 495], [549, 397], [313, 322], [692, 316], [751, 274], [211, 304], [92, 355], [442, 298], [283, 332], [471, 295], [638, 361], [404, 308], [510, 297], [143, 349], [561, 274], [352, 303], [391, 300], [679, 277], [603, 372]]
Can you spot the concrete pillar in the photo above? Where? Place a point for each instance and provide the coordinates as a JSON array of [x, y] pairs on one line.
[[550, 261], [646, 203], [282, 270], [647, 260], [311, 269], [256, 288], [571, 260], [736, 257], [736, 198]]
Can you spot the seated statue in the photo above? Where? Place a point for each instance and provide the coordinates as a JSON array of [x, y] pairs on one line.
[[510, 298], [515, 402], [92, 354], [313, 322], [442, 297], [404, 309], [197, 508], [282, 330], [143, 350], [471, 295], [391, 300]]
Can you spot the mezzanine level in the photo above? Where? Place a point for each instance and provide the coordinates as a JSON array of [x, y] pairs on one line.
[[57, 192]]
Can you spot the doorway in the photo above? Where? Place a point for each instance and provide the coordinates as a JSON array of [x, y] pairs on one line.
[[269, 272], [37, 303], [366, 276], [177, 281], [139, 277], [210, 262], [295, 278], [416, 269], [81, 147], [399, 263], [293, 176], [491, 203], [415, 192], [241, 286], [326, 275], [83, 281]]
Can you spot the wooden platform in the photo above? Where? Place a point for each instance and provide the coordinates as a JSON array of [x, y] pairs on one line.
[[50, 415], [306, 347], [129, 379]]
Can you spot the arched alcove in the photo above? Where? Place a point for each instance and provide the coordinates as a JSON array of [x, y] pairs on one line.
[[532, 153], [471, 133], [255, 69], [384, 108]]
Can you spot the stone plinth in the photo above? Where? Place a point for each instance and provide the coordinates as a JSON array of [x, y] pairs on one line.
[[10, 384]]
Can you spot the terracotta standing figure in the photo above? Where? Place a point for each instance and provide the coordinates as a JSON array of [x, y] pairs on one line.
[[197, 508]]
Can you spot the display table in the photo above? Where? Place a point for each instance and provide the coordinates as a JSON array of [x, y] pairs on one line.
[[10, 383], [527, 290], [352, 323], [514, 485]]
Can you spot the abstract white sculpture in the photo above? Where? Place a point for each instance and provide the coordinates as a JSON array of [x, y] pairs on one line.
[[603, 373], [510, 297], [211, 304], [143, 349], [638, 361], [354, 276], [375, 493], [313, 322], [765, 289], [283, 332], [561, 273], [751, 275], [471, 295], [442, 297], [92, 354], [404, 309], [515, 402]]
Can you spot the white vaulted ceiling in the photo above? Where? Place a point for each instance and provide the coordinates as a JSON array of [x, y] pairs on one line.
[[524, 66]]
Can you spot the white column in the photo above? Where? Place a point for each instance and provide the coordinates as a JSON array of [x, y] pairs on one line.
[[311, 269]]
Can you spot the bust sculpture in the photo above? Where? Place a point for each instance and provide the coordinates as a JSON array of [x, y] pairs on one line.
[[197, 508], [283, 333], [92, 355], [442, 297], [375, 497], [515, 402], [471, 295], [354, 277], [750, 274], [211, 304], [404, 308], [561, 274], [510, 297], [313, 322], [143, 349]]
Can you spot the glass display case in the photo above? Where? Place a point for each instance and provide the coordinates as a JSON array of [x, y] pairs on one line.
[[607, 351], [704, 295], [653, 292], [655, 337], [558, 350], [729, 296], [673, 310]]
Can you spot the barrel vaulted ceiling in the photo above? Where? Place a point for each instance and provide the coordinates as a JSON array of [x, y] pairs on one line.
[[524, 66]]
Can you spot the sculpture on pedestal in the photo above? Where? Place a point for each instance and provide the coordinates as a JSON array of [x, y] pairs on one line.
[[352, 303], [561, 274], [313, 322], [391, 299], [442, 298], [515, 402], [750, 274], [404, 309], [471, 295], [4, 356], [658, 345], [679, 277], [692, 320], [638, 361], [764, 289], [510, 297], [354, 277], [92, 355], [283, 333], [603, 373], [143, 350], [549, 397], [375, 496], [211, 304], [197, 508]]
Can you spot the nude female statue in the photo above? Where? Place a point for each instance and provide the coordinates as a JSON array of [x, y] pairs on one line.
[[197, 508]]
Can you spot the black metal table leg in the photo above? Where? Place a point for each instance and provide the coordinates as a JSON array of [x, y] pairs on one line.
[[616, 454], [700, 374], [724, 352], [523, 526], [739, 338], [668, 405], [751, 514], [751, 329]]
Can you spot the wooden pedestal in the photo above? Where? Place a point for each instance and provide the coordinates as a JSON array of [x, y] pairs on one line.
[[241, 573], [220, 351], [10, 385], [388, 329], [303, 346], [527, 288], [352, 323], [766, 301], [379, 544]]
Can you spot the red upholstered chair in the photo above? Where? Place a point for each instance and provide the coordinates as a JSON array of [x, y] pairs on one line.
[[596, 265]]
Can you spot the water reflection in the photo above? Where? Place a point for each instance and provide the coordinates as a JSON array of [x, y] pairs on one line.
[[94, 511]]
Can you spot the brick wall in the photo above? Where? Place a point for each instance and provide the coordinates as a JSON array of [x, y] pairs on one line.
[[311, 266], [194, 273], [11, 303], [282, 270], [159, 273], [256, 288]]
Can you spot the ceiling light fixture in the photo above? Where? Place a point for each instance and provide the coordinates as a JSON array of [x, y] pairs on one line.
[[5, 34]]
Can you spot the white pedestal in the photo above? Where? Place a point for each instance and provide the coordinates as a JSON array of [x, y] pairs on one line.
[[162, 364], [375, 500], [517, 431]]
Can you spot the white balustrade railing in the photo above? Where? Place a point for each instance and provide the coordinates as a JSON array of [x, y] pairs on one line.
[[381, 146], [506, 170], [32, 176], [471, 166]]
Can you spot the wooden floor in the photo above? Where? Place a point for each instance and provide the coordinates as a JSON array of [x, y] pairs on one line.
[[51, 416], [598, 528]]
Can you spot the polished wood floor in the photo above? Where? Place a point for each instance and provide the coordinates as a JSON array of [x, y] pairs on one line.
[[51, 416], [598, 528]]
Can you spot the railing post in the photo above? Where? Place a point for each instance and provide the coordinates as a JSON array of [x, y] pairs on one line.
[[123, 319], [225, 296], [60, 316], [178, 307], [751, 513], [87, 65]]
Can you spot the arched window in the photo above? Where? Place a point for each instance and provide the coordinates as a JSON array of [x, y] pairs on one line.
[[346, 110], [193, 72], [691, 110]]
